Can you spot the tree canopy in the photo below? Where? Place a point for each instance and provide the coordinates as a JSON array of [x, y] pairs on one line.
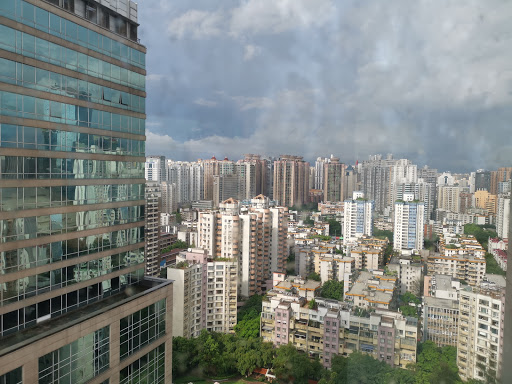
[[332, 290], [248, 324], [481, 233], [334, 227]]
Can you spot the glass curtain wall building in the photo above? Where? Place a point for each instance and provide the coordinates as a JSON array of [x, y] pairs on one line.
[[74, 303]]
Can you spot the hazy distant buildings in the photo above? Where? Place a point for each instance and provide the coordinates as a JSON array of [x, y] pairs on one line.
[[448, 198], [503, 174], [482, 180], [334, 177], [291, 180], [375, 180]]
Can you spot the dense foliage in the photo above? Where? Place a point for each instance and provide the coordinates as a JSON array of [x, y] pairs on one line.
[[434, 365], [248, 324], [491, 266], [334, 228], [408, 304], [310, 207], [178, 244], [333, 290], [314, 276], [481, 233], [216, 355], [382, 234]]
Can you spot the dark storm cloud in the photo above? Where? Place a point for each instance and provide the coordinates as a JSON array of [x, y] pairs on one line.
[[427, 80]]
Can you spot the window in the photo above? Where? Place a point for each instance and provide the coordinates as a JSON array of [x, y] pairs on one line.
[[91, 12], [69, 5]]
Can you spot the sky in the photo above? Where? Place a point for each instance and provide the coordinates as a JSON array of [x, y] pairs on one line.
[[430, 81]]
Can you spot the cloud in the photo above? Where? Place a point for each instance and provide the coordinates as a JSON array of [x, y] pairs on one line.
[[277, 16], [252, 17], [196, 25], [247, 103], [251, 51], [318, 77], [205, 103]]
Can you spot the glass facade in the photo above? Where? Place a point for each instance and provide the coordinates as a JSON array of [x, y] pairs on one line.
[[47, 253], [13, 377], [55, 25], [72, 192], [26, 287], [142, 327], [48, 52], [14, 199], [77, 362], [149, 368], [30, 315]]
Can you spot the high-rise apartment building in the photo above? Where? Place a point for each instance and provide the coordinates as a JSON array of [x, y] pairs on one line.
[[375, 180], [255, 237], [503, 217], [501, 175], [482, 180], [319, 173], [358, 217], [187, 178], [152, 228], [408, 224], [481, 326], [75, 306], [205, 294], [350, 182], [485, 200], [154, 169], [448, 198], [334, 177], [214, 167], [291, 180], [254, 176]]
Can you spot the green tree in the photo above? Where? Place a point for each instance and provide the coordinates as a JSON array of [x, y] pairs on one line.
[[409, 297], [491, 266], [382, 234], [334, 227], [292, 366], [332, 290], [314, 276], [365, 369], [184, 356], [248, 324], [436, 365], [481, 233]]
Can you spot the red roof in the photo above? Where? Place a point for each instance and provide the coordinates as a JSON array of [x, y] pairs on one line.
[[262, 371]]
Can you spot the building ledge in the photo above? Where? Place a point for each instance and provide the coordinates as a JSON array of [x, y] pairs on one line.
[[49, 327]]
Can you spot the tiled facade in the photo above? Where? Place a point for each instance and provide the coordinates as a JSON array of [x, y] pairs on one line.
[[481, 325], [328, 328], [205, 294]]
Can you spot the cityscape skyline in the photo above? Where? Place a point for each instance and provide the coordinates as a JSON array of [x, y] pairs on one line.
[[337, 77]]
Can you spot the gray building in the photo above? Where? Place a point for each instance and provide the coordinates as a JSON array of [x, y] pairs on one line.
[[72, 125]]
